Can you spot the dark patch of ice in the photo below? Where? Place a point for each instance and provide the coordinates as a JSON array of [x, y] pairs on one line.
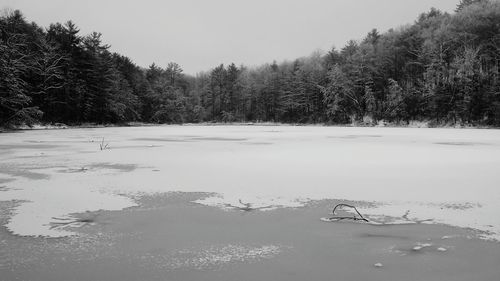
[[6, 180], [28, 146], [461, 206], [57, 141], [114, 166], [458, 143], [24, 172], [355, 136], [257, 143], [133, 146], [74, 170], [218, 139], [162, 139]]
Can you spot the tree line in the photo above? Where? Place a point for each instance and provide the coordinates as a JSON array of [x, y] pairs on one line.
[[443, 69]]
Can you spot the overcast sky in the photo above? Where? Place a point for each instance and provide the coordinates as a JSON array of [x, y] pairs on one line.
[[200, 34]]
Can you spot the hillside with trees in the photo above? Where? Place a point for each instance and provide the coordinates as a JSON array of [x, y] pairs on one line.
[[442, 69]]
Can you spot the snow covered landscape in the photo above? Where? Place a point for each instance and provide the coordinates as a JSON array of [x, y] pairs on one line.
[[242, 140]]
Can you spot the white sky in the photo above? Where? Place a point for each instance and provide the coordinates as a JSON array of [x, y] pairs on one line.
[[200, 34]]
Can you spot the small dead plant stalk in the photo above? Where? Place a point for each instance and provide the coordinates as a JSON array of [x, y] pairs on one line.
[[103, 145]]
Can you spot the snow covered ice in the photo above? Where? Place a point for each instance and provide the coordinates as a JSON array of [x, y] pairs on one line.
[[406, 174]]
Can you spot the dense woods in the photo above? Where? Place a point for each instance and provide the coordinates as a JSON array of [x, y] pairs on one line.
[[442, 69]]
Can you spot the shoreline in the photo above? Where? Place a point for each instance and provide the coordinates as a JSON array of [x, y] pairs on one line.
[[417, 124]]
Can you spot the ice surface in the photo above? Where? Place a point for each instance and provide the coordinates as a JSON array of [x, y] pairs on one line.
[[216, 256], [407, 174]]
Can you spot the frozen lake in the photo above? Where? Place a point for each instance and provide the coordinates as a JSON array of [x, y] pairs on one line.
[[399, 175]]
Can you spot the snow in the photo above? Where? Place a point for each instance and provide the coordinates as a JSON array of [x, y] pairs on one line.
[[445, 176]]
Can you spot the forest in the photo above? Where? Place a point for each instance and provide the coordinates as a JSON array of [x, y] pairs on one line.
[[442, 69]]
